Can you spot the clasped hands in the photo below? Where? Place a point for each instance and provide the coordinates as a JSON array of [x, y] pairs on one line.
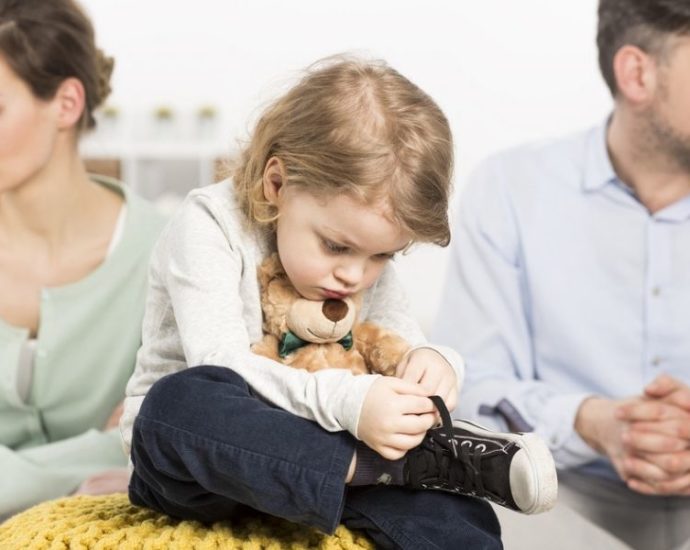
[[647, 438]]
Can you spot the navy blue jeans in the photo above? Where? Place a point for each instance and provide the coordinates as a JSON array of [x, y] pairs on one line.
[[205, 448]]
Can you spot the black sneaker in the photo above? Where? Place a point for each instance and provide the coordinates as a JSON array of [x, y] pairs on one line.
[[514, 470]]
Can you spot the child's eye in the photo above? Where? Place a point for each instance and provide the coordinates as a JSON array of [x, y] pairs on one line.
[[334, 248]]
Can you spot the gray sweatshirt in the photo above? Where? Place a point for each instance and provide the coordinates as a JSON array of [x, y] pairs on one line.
[[203, 308]]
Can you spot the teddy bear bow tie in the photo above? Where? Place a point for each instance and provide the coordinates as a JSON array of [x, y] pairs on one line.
[[291, 342]]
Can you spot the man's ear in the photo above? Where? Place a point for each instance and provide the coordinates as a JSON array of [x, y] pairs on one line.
[[636, 75], [70, 102], [274, 180]]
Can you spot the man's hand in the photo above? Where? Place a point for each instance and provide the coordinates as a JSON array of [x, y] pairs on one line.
[[429, 369], [669, 390], [659, 435], [596, 423], [395, 416]]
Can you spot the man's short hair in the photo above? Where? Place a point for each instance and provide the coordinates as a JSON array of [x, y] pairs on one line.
[[646, 24]]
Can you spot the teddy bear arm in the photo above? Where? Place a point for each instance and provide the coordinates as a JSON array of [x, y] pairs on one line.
[[352, 360], [381, 348], [268, 347]]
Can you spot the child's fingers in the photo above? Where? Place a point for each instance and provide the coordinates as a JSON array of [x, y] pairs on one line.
[[391, 453], [451, 398], [415, 404], [416, 424], [434, 380], [412, 371], [405, 387], [405, 442], [400, 369]]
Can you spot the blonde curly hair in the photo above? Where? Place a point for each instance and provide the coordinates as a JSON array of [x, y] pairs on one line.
[[357, 128]]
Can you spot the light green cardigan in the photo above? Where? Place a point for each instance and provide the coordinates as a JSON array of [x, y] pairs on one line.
[[87, 342]]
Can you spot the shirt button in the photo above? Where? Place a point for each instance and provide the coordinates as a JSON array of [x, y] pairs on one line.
[[656, 361], [656, 291]]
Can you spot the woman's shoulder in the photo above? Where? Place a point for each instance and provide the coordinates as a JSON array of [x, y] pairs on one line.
[[140, 212]]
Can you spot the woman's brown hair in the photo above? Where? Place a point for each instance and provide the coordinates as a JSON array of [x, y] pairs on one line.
[[47, 41]]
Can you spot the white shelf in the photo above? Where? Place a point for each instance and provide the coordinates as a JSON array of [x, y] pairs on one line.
[[163, 168], [154, 150]]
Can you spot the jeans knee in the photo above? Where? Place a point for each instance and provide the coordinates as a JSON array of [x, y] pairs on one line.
[[190, 389]]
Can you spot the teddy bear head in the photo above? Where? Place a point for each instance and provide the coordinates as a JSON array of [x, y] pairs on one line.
[[285, 311]]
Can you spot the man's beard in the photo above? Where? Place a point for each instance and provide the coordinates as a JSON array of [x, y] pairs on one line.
[[660, 138]]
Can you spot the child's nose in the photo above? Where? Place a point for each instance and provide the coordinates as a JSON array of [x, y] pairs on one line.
[[350, 274]]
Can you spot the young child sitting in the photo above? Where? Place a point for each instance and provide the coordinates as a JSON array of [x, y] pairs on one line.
[[344, 171]]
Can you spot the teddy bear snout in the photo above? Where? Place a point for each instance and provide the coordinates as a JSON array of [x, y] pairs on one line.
[[334, 310]]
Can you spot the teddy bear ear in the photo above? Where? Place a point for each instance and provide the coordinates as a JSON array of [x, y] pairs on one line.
[[270, 269]]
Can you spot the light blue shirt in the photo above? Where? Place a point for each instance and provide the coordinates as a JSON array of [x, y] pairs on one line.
[[562, 285]]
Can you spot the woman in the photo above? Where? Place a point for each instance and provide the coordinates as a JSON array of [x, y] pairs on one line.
[[74, 251]]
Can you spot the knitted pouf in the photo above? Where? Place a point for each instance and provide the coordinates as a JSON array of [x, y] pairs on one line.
[[105, 522]]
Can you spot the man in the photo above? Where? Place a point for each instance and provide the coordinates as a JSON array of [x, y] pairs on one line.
[[569, 287]]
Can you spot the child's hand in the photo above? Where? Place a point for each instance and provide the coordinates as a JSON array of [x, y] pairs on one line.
[[428, 368], [395, 416]]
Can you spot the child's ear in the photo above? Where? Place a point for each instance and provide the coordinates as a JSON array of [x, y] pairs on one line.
[[274, 179], [69, 101]]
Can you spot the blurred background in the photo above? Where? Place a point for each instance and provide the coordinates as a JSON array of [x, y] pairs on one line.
[[191, 77]]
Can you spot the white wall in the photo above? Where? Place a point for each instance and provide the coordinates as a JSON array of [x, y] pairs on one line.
[[504, 71]]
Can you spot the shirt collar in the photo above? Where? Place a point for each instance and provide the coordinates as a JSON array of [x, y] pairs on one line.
[[598, 170]]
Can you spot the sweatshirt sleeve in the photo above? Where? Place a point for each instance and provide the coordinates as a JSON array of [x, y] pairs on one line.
[[484, 315], [48, 471], [387, 305], [199, 271]]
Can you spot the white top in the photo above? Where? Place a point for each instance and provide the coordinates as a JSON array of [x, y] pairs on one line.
[[27, 355], [203, 308]]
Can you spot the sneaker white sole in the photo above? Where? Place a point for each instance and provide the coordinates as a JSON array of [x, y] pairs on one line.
[[533, 478]]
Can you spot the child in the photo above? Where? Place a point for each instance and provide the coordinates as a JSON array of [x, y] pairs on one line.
[[347, 169]]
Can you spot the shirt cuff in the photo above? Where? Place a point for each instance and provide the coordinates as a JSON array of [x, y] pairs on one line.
[[557, 427], [353, 400]]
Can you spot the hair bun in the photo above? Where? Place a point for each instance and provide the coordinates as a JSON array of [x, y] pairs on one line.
[[105, 65]]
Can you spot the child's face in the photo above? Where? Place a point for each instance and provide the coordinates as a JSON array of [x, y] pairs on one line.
[[336, 247]]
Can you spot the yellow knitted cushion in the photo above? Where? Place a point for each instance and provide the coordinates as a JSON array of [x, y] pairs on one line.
[[105, 522]]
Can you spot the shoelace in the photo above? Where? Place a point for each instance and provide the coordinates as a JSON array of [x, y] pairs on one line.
[[458, 467]]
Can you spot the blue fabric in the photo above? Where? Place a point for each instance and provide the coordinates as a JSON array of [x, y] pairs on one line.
[[562, 285], [205, 448]]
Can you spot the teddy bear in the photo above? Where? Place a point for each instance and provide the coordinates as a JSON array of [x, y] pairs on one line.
[[315, 335]]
